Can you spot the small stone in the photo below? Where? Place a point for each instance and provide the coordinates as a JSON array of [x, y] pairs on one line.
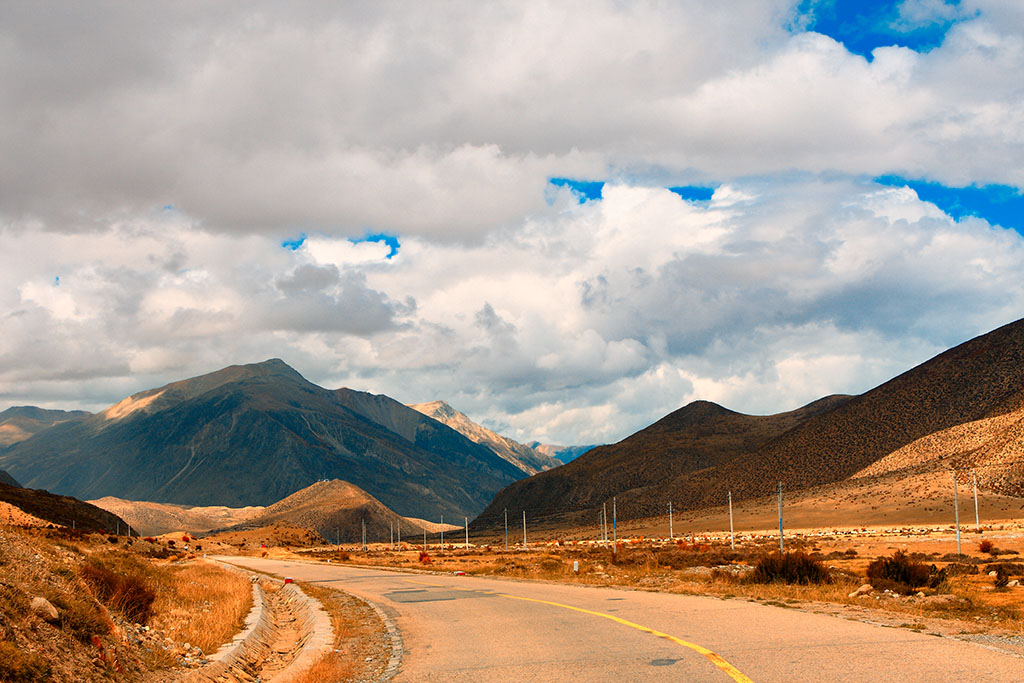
[[993, 573], [42, 608], [920, 594], [863, 590], [1013, 584]]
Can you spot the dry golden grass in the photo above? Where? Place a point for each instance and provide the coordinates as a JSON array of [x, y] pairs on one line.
[[201, 603], [354, 628]]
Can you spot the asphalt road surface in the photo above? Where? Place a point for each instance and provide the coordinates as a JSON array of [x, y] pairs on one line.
[[464, 628]]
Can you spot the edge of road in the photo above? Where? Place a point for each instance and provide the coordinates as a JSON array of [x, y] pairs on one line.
[[394, 634]]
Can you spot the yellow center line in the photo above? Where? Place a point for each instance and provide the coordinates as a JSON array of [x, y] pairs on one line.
[[713, 657]]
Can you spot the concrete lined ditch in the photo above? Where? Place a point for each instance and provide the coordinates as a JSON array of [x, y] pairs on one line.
[[286, 632]]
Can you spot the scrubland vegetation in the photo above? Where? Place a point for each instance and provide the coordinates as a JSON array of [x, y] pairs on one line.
[[76, 607]]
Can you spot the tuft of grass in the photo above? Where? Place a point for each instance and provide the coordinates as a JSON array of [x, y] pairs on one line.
[[17, 665], [986, 546], [425, 558], [127, 593], [791, 567]]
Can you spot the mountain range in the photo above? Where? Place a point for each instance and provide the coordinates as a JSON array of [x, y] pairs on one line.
[[963, 408], [254, 434], [525, 458], [20, 422]]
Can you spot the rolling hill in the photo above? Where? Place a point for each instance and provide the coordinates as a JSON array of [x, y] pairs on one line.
[[698, 453], [62, 510], [254, 434], [20, 422], [336, 511]]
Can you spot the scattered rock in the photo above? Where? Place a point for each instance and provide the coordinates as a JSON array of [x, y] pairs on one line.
[[863, 590], [1013, 583], [42, 608]]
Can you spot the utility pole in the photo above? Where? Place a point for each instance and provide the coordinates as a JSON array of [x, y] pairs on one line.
[[506, 530], [732, 536], [364, 534], [671, 536], [337, 535], [782, 548], [604, 522], [524, 529], [424, 539], [977, 519], [615, 527], [465, 525], [442, 533], [391, 529], [399, 533], [956, 512]]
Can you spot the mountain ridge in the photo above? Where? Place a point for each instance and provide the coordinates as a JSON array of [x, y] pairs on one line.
[[252, 435], [525, 458]]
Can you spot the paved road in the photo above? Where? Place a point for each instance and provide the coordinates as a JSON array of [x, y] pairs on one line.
[[484, 629]]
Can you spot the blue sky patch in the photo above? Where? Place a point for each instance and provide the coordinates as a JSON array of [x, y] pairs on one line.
[[998, 204], [294, 244], [863, 25], [693, 193], [585, 190], [389, 240]]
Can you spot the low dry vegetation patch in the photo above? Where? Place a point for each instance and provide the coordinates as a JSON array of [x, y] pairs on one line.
[[361, 644], [200, 603], [75, 607]]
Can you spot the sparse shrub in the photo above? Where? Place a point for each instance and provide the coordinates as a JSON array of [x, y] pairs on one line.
[[986, 546], [17, 664], [792, 567], [343, 556], [425, 558], [960, 568], [1001, 578], [850, 552], [185, 539], [80, 615], [550, 564], [902, 571], [111, 539], [149, 539], [170, 542], [127, 593], [1011, 568]]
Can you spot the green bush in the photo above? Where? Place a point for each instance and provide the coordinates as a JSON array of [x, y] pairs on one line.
[[792, 567]]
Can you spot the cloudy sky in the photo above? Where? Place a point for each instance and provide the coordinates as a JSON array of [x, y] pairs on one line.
[[565, 219]]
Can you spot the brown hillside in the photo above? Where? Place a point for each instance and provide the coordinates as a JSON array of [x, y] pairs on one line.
[[153, 519], [695, 437], [695, 456], [335, 510], [62, 510], [983, 377]]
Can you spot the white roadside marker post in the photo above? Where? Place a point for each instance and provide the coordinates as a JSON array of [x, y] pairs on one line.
[[524, 529]]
